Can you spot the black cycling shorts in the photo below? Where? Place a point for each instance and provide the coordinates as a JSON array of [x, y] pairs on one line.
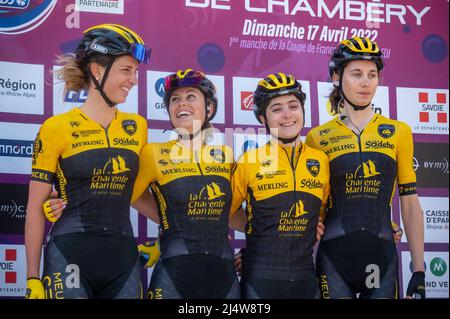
[[93, 266], [194, 277]]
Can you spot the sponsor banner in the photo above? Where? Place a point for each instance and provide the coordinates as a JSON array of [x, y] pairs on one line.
[[156, 110], [13, 271], [64, 102], [20, 16], [13, 203], [380, 103], [431, 164], [425, 110], [21, 88], [16, 147], [152, 229], [243, 89], [162, 136], [436, 273], [244, 142], [239, 235], [100, 6], [435, 219]]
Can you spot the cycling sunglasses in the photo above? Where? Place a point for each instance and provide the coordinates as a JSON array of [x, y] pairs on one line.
[[192, 78], [139, 52]]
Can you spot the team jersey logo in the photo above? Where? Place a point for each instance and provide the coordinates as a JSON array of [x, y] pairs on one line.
[[266, 163], [298, 210], [369, 169], [218, 155], [213, 191], [129, 126], [313, 167], [386, 130]]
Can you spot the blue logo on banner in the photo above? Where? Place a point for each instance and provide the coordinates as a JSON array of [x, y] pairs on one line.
[[16, 148], [159, 87], [76, 97], [16, 4], [20, 16], [249, 145]]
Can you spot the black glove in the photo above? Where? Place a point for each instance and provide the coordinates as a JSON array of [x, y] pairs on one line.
[[416, 286]]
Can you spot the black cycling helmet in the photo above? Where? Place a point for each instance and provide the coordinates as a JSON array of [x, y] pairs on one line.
[[353, 49], [110, 40], [114, 40], [275, 85], [272, 86], [196, 79]]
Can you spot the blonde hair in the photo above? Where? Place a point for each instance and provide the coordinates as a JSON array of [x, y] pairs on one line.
[[75, 72]]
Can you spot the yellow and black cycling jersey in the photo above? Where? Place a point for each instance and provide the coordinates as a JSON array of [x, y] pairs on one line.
[[193, 194], [363, 171], [93, 169], [285, 190]]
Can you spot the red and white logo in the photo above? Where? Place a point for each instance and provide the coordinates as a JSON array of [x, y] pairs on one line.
[[432, 104], [7, 266], [425, 110], [246, 101]]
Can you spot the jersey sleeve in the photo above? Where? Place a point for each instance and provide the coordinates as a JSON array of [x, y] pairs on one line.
[[47, 149], [147, 171], [310, 140], [144, 136], [326, 187], [238, 185], [406, 176]]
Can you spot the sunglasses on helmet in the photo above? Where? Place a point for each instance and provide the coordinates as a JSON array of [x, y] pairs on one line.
[[139, 52], [192, 78]]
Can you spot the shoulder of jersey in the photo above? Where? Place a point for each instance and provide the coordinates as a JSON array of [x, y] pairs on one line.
[[251, 153], [62, 118], [314, 152], [324, 127]]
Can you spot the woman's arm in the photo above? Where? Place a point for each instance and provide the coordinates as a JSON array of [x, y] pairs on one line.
[[238, 220], [35, 226], [146, 205], [412, 217]]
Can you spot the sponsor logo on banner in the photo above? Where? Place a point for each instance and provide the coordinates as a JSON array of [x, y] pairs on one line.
[[12, 271], [64, 102], [431, 163], [16, 147], [13, 201], [380, 102], [21, 88], [246, 101], [20, 16], [425, 110], [243, 103], [246, 142], [100, 6], [156, 110], [436, 219], [436, 273]]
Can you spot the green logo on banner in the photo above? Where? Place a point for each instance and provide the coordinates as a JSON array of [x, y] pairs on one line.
[[438, 266]]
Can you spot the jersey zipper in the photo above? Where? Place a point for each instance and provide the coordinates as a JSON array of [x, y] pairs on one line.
[[107, 136], [358, 136], [198, 163], [293, 168]]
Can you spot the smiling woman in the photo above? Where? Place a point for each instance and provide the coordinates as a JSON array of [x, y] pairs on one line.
[[91, 155]]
